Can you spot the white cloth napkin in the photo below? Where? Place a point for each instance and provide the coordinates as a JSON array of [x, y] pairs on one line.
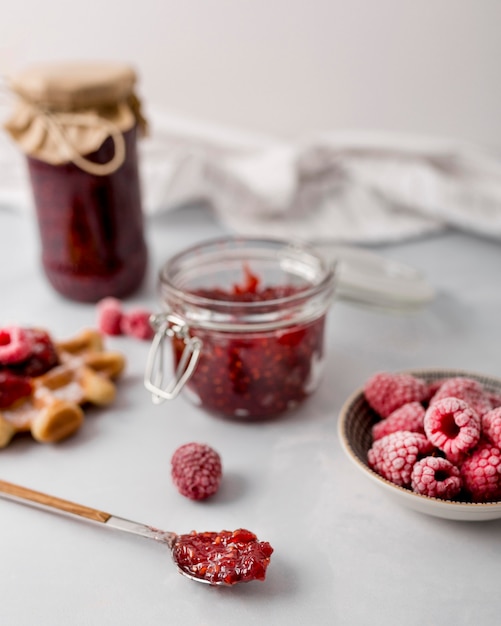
[[357, 187]]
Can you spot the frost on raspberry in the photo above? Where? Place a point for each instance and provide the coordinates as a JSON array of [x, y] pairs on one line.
[[410, 417], [436, 477], [15, 345], [467, 389], [394, 455], [452, 426], [481, 473], [385, 392], [491, 426], [196, 470]]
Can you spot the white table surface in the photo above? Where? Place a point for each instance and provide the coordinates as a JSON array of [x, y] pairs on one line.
[[344, 553]]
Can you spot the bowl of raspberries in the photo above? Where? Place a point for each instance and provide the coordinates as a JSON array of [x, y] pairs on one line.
[[431, 439]]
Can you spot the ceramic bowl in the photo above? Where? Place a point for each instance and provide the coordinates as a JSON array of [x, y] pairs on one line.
[[355, 423]]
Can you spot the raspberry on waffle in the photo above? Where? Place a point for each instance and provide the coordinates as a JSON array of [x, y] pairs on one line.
[[51, 408]]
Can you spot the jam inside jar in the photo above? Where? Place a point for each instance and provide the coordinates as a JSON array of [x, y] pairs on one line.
[[91, 227], [256, 309]]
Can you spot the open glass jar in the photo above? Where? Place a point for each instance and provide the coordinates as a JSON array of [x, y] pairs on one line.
[[245, 319]]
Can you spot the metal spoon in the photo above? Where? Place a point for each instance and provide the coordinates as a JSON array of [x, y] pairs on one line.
[[46, 502]]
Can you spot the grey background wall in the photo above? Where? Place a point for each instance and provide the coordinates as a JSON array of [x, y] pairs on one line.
[[286, 67]]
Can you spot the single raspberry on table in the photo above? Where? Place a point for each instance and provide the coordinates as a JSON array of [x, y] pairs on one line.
[[394, 455], [196, 470], [385, 392], [491, 426], [481, 473], [436, 477], [467, 389], [452, 426], [109, 316], [15, 345], [136, 323], [410, 417]]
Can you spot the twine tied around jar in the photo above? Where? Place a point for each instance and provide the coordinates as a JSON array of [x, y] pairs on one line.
[[53, 122], [65, 112]]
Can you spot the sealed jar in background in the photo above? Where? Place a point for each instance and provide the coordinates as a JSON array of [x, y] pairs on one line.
[[78, 124], [245, 320]]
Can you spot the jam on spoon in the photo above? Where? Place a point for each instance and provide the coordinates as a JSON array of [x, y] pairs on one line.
[[227, 557], [223, 558]]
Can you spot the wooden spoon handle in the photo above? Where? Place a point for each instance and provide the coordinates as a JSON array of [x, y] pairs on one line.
[[15, 492]]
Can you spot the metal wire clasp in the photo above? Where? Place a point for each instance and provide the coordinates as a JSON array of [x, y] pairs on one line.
[[169, 325]]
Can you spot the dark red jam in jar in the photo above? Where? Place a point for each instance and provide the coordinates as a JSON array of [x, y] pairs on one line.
[[246, 321], [78, 126], [91, 227], [226, 557]]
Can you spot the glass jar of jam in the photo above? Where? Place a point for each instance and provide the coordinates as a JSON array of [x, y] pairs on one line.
[[245, 319], [78, 125]]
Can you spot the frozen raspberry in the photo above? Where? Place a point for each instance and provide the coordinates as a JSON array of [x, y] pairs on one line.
[[481, 473], [491, 426], [436, 477], [467, 389], [386, 392], [394, 455], [109, 316], [196, 470], [136, 323], [15, 345], [408, 417], [453, 426]]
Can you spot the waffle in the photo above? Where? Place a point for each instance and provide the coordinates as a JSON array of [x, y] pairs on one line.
[[84, 376]]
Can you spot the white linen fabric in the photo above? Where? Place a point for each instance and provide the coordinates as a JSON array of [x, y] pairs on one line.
[[348, 187]]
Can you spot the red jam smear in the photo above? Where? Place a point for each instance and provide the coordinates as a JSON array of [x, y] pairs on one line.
[[91, 227], [260, 374], [226, 557], [12, 388]]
